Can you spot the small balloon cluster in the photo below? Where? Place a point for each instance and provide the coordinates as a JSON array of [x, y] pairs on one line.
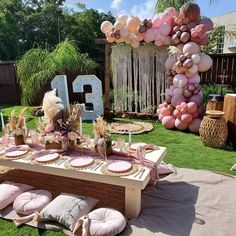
[[183, 32], [166, 28]]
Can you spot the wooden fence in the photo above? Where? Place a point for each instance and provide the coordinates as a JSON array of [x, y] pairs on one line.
[[9, 89], [223, 70]]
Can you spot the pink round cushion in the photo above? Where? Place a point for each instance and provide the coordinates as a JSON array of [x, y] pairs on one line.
[[32, 201], [106, 221]]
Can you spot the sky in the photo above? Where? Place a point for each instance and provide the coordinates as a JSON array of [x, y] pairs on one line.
[[144, 8]]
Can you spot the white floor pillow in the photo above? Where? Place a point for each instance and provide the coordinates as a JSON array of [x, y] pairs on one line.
[[32, 201]]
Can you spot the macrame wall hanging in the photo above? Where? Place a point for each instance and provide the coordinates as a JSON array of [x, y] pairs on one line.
[[138, 78]]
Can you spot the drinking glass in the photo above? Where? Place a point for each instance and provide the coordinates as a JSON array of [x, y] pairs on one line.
[[141, 153], [121, 143], [6, 140], [34, 137]]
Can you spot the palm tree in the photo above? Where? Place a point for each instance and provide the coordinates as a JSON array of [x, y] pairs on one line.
[[39, 65]]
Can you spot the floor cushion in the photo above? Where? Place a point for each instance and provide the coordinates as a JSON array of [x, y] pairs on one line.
[[9, 191], [32, 201], [105, 222], [67, 209]]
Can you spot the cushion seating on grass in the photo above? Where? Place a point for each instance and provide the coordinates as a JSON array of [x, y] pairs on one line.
[[32, 201], [9, 191], [104, 222], [67, 209]]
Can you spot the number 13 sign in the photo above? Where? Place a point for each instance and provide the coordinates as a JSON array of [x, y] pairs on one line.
[[95, 97]]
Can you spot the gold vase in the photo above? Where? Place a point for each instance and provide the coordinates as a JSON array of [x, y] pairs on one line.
[[53, 145]]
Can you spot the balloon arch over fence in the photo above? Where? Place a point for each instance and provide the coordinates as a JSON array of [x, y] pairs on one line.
[[184, 33]]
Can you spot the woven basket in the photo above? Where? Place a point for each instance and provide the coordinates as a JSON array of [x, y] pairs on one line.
[[213, 131]]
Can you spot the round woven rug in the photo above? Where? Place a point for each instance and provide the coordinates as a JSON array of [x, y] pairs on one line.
[[135, 127]]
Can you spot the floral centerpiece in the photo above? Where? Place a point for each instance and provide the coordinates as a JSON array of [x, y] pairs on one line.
[[102, 136], [59, 126], [17, 127]]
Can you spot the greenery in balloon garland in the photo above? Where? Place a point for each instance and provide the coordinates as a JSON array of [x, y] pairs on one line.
[[39, 65]]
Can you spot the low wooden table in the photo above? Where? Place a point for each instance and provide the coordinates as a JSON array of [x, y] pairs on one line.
[[132, 184]]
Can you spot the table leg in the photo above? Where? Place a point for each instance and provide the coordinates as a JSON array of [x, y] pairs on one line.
[[132, 202]]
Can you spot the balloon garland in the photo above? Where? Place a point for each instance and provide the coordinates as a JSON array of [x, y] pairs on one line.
[[183, 32]]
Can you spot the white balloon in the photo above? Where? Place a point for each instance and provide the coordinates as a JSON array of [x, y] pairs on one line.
[[105, 26], [123, 19], [193, 69], [195, 58]]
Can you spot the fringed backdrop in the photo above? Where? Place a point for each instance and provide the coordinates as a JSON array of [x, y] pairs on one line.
[[138, 78]]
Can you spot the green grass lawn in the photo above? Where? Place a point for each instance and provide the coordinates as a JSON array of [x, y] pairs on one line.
[[184, 150]]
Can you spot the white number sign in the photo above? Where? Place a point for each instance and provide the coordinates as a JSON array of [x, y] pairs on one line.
[[95, 97], [60, 84]]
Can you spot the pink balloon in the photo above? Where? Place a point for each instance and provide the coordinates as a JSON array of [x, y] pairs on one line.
[[191, 107], [168, 122], [150, 35], [165, 29], [194, 80], [177, 91], [160, 117], [177, 99], [195, 115], [176, 113], [165, 111], [207, 23], [179, 124], [161, 105], [204, 40], [201, 28], [180, 80], [195, 125], [194, 33], [191, 48], [196, 99], [171, 11], [183, 105], [205, 63], [200, 111], [158, 42], [189, 74], [183, 111], [187, 118], [168, 99], [167, 40], [156, 21]]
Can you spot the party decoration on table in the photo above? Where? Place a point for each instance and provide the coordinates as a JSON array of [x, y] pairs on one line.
[[60, 125], [102, 140], [135, 127], [184, 32], [81, 162], [17, 127]]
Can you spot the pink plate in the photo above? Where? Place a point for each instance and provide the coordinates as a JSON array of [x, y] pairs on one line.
[[47, 157], [137, 145], [16, 153], [119, 166], [81, 162]]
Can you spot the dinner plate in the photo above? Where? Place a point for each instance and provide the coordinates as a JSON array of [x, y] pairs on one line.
[[81, 162], [119, 166], [135, 146], [47, 157], [15, 153]]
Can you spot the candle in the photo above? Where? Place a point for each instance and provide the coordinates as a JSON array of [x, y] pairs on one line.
[[80, 127], [129, 134], [2, 120]]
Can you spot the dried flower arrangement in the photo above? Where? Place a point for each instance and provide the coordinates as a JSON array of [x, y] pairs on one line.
[[102, 136], [60, 124], [17, 127]]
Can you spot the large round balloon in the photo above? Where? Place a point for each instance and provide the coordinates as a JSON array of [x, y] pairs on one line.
[[191, 107], [196, 99], [168, 122], [165, 29], [208, 23], [191, 11], [105, 26], [180, 80], [177, 100], [132, 24], [150, 35], [191, 48], [187, 118], [195, 125], [195, 79], [179, 124], [205, 63], [156, 21]]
